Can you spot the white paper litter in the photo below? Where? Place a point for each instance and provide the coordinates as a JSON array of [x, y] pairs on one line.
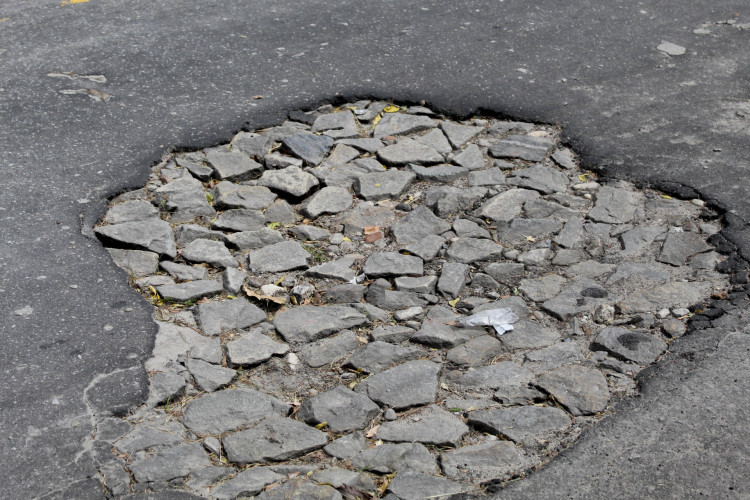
[[500, 319], [357, 279]]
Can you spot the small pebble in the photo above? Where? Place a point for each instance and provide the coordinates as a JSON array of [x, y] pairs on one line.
[[390, 414]]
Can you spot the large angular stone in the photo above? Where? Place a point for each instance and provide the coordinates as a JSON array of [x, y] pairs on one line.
[[494, 376], [447, 200], [427, 248], [170, 463], [342, 409], [229, 195], [209, 377], [233, 165], [329, 350], [438, 173], [562, 353], [524, 425], [477, 351], [418, 224], [388, 458], [304, 324], [131, 211], [246, 483], [240, 219], [335, 121], [409, 384], [482, 462], [387, 264], [408, 151], [311, 148], [543, 179], [153, 235], [465, 228], [525, 147], [581, 390], [230, 409], [421, 284], [468, 250], [184, 272], [272, 439], [458, 134], [629, 345], [673, 294], [339, 269], [436, 332], [253, 240], [472, 158], [192, 290], [346, 446], [401, 124], [253, 144], [582, 296], [507, 205], [184, 207], [453, 277], [383, 185], [150, 434], [136, 262], [543, 288], [300, 488], [639, 238], [216, 317], [679, 247], [252, 348], [436, 140], [519, 230], [614, 205], [290, 180], [173, 341], [432, 425], [489, 177], [329, 200], [185, 233], [417, 486], [377, 356], [344, 176], [284, 256], [392, 300], [214, 253]]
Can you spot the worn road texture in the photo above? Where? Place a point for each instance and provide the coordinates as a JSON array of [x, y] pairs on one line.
[[183, 74]]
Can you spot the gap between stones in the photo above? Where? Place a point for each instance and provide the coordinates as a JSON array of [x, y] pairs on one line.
[[306, 278]]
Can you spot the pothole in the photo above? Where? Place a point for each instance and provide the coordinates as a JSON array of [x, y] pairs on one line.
[[309, 281]]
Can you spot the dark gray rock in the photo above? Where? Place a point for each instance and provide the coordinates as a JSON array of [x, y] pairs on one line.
[[465, 228], [337, 478], [252, 348], [562, 353], [184, 273], [246, 483], [519, 230], [582, 296], [329, 200], [432, 425], [184, 207], [283, 256], [307, 232], [346, 446], [150, 434], [508, 273], [253, 144], [339, 269], [539, 178], [388, 264], [240, 220], [214, 253], [254, 240], [377, 356], [524, 425], [447, 200], [131, 211], [388, 458], [275, 160], [436, 140], [389, 184], [335, 121], [165, 386], [634, 274], [170, 463], [459, 134], [504, 373], [565, 158], [342, 409], [472, 158], [394, 334], [409, 384], [507, 205], [629, 345], [427, 248], [329, 350], [679, 247], [519, 396], [416, 486], [638, 239], [476, 352], [136, 262], [209, 377], [392, 300], [192, 290], [153, 235], [209, 350], [228, 195], [272, 439], [614, 205], [581, 390], [407, 151], [216, 317], [345, 294], [673, 294], [489, 177], [290, 180], [421, 284], [233, 166], [280, 211], [401, 124], [185, 233], [309, 147], [304, 324], [543, 288], [468, 250], [482, 462], [452, 279], [299, 488], [541, 208], [418, 224], [439, 173], [230, 409], [368, 145], [524, 147], [345, 175], [435, 332]]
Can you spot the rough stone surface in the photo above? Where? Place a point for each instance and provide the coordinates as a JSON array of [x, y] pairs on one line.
[[418, 224], [252, 348], [284, 256], [383, 185], [525, 424], [522, 146], [409, 384], [216, 317], [342, 409], [409, 151], [581, 390], [329, 200], [388, 264], [482, 462], [432, 425], [308, 323], [388, 458], [230, 409], [630, 345], [152, 235], [272, 439], [415, 486], [233, 165]]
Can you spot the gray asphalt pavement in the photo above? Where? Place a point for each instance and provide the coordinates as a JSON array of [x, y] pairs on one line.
[[185, 74]]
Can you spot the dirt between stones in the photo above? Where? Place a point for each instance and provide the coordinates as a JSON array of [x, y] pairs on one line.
[[307, 279]]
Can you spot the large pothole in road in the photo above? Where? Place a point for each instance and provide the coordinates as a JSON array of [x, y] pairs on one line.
[[376, 300]]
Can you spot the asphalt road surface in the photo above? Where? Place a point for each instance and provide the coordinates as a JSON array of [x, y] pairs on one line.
[[184, 74]]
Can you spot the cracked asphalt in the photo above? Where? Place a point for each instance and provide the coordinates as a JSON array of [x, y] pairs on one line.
[[186, 75]]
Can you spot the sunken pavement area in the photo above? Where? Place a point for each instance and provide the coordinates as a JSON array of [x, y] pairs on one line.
[[313, 281]]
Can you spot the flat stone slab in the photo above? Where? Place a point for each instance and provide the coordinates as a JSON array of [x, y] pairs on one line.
[[214, 253], [495, 376], [304, 324], [543, 179], [459, 134], [432, 425], [389, 264], [131, 211], [216, 317], [170, 463], [230, 409], [346, 446], [409, 384], [408, 151], [438, 173], [522, 146], [339, 269], [254, 240], [507, 205], [311, 148], [614, 205], [284, 256], [482, 462], [583, 296], [670, 295], [525, 424], [469, 250], [401, 124], [679, 247], [154, 235], [418, 224], [272, 439], [417, 486], [246, 483], [477, 351], [389, 184], [239, 219], [136, 262], [253, 348], [472, 158], [562, 353], [342, 409], [328, 350], [581, 390], [402, 457], [453, 277], [208, 376], [233, 166], [378, 356], [629, 345], [329, 200], [189, 291], [228, 195], [292, 181]]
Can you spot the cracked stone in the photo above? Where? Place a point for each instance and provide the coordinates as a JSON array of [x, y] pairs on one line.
[[477, 351], [304, 324], [254, 240], [432, 425], [378, 356], [554, 356], [472, 158], [346, 446], [272, 439], [389, 264], [452, 279], [209, 377], [329, 200], [399, 124], [136, 262], [469, 250], [507, 205], [496, 376], [489, 177], [230, 409], [217, 317], [418, 224], [342, 409], [409, 384], [482, 462], [543, 179], [233, 166], [184, 273], [170, 463], [581, 390], [253, 348], [339, 269], [439, 173], [614, 205], [311, 148], [409, 151], [131, 211], [522, 146], [436, 140], [630, 345], [290, 180], [246, 483], [152, 235], [524, 425], [284, 256], [228, 195], [388, 458], [213, 253], [383, 185], [679, 247], [191, 290]]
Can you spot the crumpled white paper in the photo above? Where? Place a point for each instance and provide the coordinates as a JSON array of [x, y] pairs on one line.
[[500, 319]]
